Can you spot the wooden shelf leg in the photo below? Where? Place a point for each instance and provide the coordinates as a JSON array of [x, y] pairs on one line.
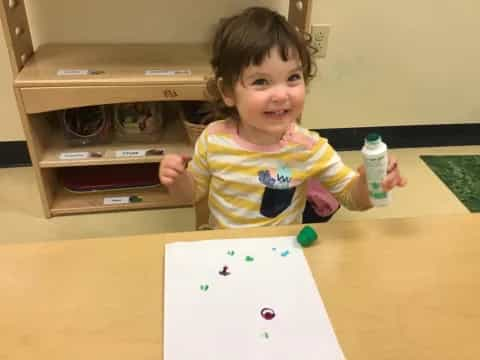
[[17, 33], [299, 13]]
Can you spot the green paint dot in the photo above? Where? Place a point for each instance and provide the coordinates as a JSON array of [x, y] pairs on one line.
[[231, 252], [204, 287], [248, 258]]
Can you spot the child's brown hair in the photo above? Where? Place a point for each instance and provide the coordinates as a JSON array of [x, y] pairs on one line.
[[246, 39]]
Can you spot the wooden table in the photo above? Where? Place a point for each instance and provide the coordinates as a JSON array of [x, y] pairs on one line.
[[394, 289]]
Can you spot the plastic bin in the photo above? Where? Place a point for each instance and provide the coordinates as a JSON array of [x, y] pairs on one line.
[[87, 125], [138, 122]]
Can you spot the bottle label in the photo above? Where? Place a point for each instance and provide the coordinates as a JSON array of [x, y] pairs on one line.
[[376, 169], [376, 191]]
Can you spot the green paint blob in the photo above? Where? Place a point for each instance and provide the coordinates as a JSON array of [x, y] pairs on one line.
[[248, 258]]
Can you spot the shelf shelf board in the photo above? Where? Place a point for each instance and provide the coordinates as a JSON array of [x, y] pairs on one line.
[[172, 140], [118, 64], [66, 202]]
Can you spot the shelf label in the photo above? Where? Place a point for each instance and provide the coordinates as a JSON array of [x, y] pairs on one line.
[[166, 72], [80, 155], [138, 152], [78, 72], [114, 200], [74, 155], [130, 153]]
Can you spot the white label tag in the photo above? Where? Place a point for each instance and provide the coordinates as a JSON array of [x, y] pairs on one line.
[[166, 72], [116, 200], [130, 153], [74, 155], [71, 72]]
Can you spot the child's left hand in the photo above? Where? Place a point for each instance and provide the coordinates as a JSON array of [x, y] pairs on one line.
[[393, 178]]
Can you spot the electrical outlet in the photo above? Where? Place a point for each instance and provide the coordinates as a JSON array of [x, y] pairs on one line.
[[320, 34]]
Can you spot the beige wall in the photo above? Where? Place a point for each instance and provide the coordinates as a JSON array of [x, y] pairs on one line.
[[388, 63], [132, 21], [396, 63]]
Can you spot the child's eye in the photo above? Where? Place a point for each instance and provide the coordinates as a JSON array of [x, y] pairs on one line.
[[295, 77], [260, 82]]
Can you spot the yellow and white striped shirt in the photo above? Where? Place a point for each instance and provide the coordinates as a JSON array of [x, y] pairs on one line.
[[253, 185]]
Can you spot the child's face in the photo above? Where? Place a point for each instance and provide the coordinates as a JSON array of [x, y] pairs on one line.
[[268, 98]]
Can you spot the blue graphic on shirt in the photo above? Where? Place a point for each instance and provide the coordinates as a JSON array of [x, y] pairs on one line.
[[276, 180], [278, 194]]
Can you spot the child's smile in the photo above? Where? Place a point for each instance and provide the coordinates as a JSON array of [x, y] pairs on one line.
[[277, 114]]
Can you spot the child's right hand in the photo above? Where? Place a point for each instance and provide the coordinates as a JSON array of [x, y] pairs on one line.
[[171, 167]]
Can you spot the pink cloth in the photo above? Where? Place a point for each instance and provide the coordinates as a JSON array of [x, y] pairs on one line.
[[321, 200]]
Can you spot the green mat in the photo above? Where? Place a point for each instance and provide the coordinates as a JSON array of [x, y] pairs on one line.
[[461, 173]]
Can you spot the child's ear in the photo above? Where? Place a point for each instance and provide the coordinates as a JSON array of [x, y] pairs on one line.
[[227, 94]]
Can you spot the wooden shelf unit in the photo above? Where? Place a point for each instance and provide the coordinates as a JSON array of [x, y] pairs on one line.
[[121, 79], [113, 73], [172, 139], [66, 203]]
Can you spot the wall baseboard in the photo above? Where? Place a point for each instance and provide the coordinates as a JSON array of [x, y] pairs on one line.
[[405, 136], [15, 153]]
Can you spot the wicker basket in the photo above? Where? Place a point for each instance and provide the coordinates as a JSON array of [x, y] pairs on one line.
[[193, 130], [196, 116]]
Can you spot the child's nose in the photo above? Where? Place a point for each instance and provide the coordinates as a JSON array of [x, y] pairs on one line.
[[280, 93]]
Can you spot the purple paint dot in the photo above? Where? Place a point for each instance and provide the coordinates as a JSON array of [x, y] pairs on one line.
[[224, 271], [267, 313]]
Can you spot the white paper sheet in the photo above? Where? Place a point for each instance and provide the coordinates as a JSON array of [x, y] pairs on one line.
[[212, 316]]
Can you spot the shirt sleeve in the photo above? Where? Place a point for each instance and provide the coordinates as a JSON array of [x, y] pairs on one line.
[[334, 175], [199, 168]]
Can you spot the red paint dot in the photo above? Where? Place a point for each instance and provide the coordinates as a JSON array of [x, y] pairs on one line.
[[267, 313]]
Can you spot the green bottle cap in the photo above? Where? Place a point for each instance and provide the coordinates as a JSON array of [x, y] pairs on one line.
[[306, 236], [373, 138]]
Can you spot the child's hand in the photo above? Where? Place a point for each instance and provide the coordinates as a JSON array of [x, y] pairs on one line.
[[393, 177], [171, 167]]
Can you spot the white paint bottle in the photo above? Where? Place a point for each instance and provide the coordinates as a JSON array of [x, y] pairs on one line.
[[375, 158]]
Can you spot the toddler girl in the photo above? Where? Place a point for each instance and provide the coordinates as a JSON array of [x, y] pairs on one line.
[[254, 165]]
